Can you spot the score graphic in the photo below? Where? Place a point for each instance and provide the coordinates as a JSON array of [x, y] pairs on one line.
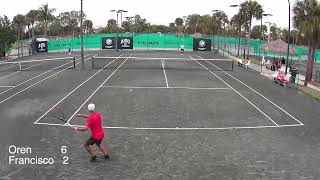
[[64, 151], [26, 156]]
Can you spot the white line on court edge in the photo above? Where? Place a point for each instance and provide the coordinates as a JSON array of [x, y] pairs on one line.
[[179, 128], [36, 83], [259, 94], [157, 58], [94, 92], [237, 92], [6, 86], [163, 87], [38, 60], [75, 90], [164, 72], [38, 76]]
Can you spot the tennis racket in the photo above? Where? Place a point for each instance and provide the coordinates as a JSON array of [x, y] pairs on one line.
[[59, 114]]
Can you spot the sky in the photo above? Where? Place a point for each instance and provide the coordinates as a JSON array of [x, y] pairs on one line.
[[155, 11]]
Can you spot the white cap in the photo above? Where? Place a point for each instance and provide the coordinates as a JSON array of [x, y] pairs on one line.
[[91, 107]]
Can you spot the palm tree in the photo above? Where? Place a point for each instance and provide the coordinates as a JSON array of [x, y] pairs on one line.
[[28, 24], [307, 20], [112, 25], [172, 27], [204, 24], [237, 21], [252, 9], [192, 22], [32, 16], [220, 19], [45, 15], [19, 21], [179, 23]]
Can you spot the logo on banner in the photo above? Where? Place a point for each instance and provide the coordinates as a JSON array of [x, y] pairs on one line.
[[109, 42], [125, 43], [202, 45], [42, 47]]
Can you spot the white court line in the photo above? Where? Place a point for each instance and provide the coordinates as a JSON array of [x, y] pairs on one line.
[[258, 94], [237, 93], [94, 92], [74, 90], [37, 76], [36, 83], [179, 128], [38, 60], [164, 72], [157, 58], [6, 86], [163, 87], [20, 71]]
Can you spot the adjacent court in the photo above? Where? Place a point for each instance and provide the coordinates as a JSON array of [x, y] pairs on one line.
[[166, 116]]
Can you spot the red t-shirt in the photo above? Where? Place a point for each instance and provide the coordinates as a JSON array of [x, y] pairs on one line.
[[95, 125]]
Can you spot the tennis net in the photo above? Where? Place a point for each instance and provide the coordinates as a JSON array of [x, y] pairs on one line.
[[33, 65], [162, 63]]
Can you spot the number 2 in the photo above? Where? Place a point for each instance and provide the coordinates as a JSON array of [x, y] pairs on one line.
[[65, 160]]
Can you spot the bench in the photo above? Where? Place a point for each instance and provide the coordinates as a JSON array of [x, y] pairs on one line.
[[243, 63]]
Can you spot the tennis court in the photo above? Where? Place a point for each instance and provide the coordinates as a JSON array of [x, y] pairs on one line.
[[166, 116]]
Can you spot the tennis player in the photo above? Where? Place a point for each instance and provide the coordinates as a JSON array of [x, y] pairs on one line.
[[97, 132], [182, 49]]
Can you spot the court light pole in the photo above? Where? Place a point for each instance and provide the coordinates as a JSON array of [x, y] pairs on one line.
[[269, 25], [122, 11], [117, 36], [265, 15], [288, 50], [81, 34]]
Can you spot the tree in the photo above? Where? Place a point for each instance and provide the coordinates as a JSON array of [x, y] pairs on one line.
[[179, 23], [220, 19], [256, 32], [275, 33], [126, 26], [204, 23], [56, 27], [7, 34], [192, 23], [307, 19], [252, 9], [45, 16], [111, 26], [87, 26], [172, 27], [19, 21], [157, 29], [296, 36], [237, 21], [32, 16], [140, 24]]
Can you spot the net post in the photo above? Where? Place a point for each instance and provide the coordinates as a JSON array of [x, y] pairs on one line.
[[74, 63], [92, 63], [232, 64], [20, 67]]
